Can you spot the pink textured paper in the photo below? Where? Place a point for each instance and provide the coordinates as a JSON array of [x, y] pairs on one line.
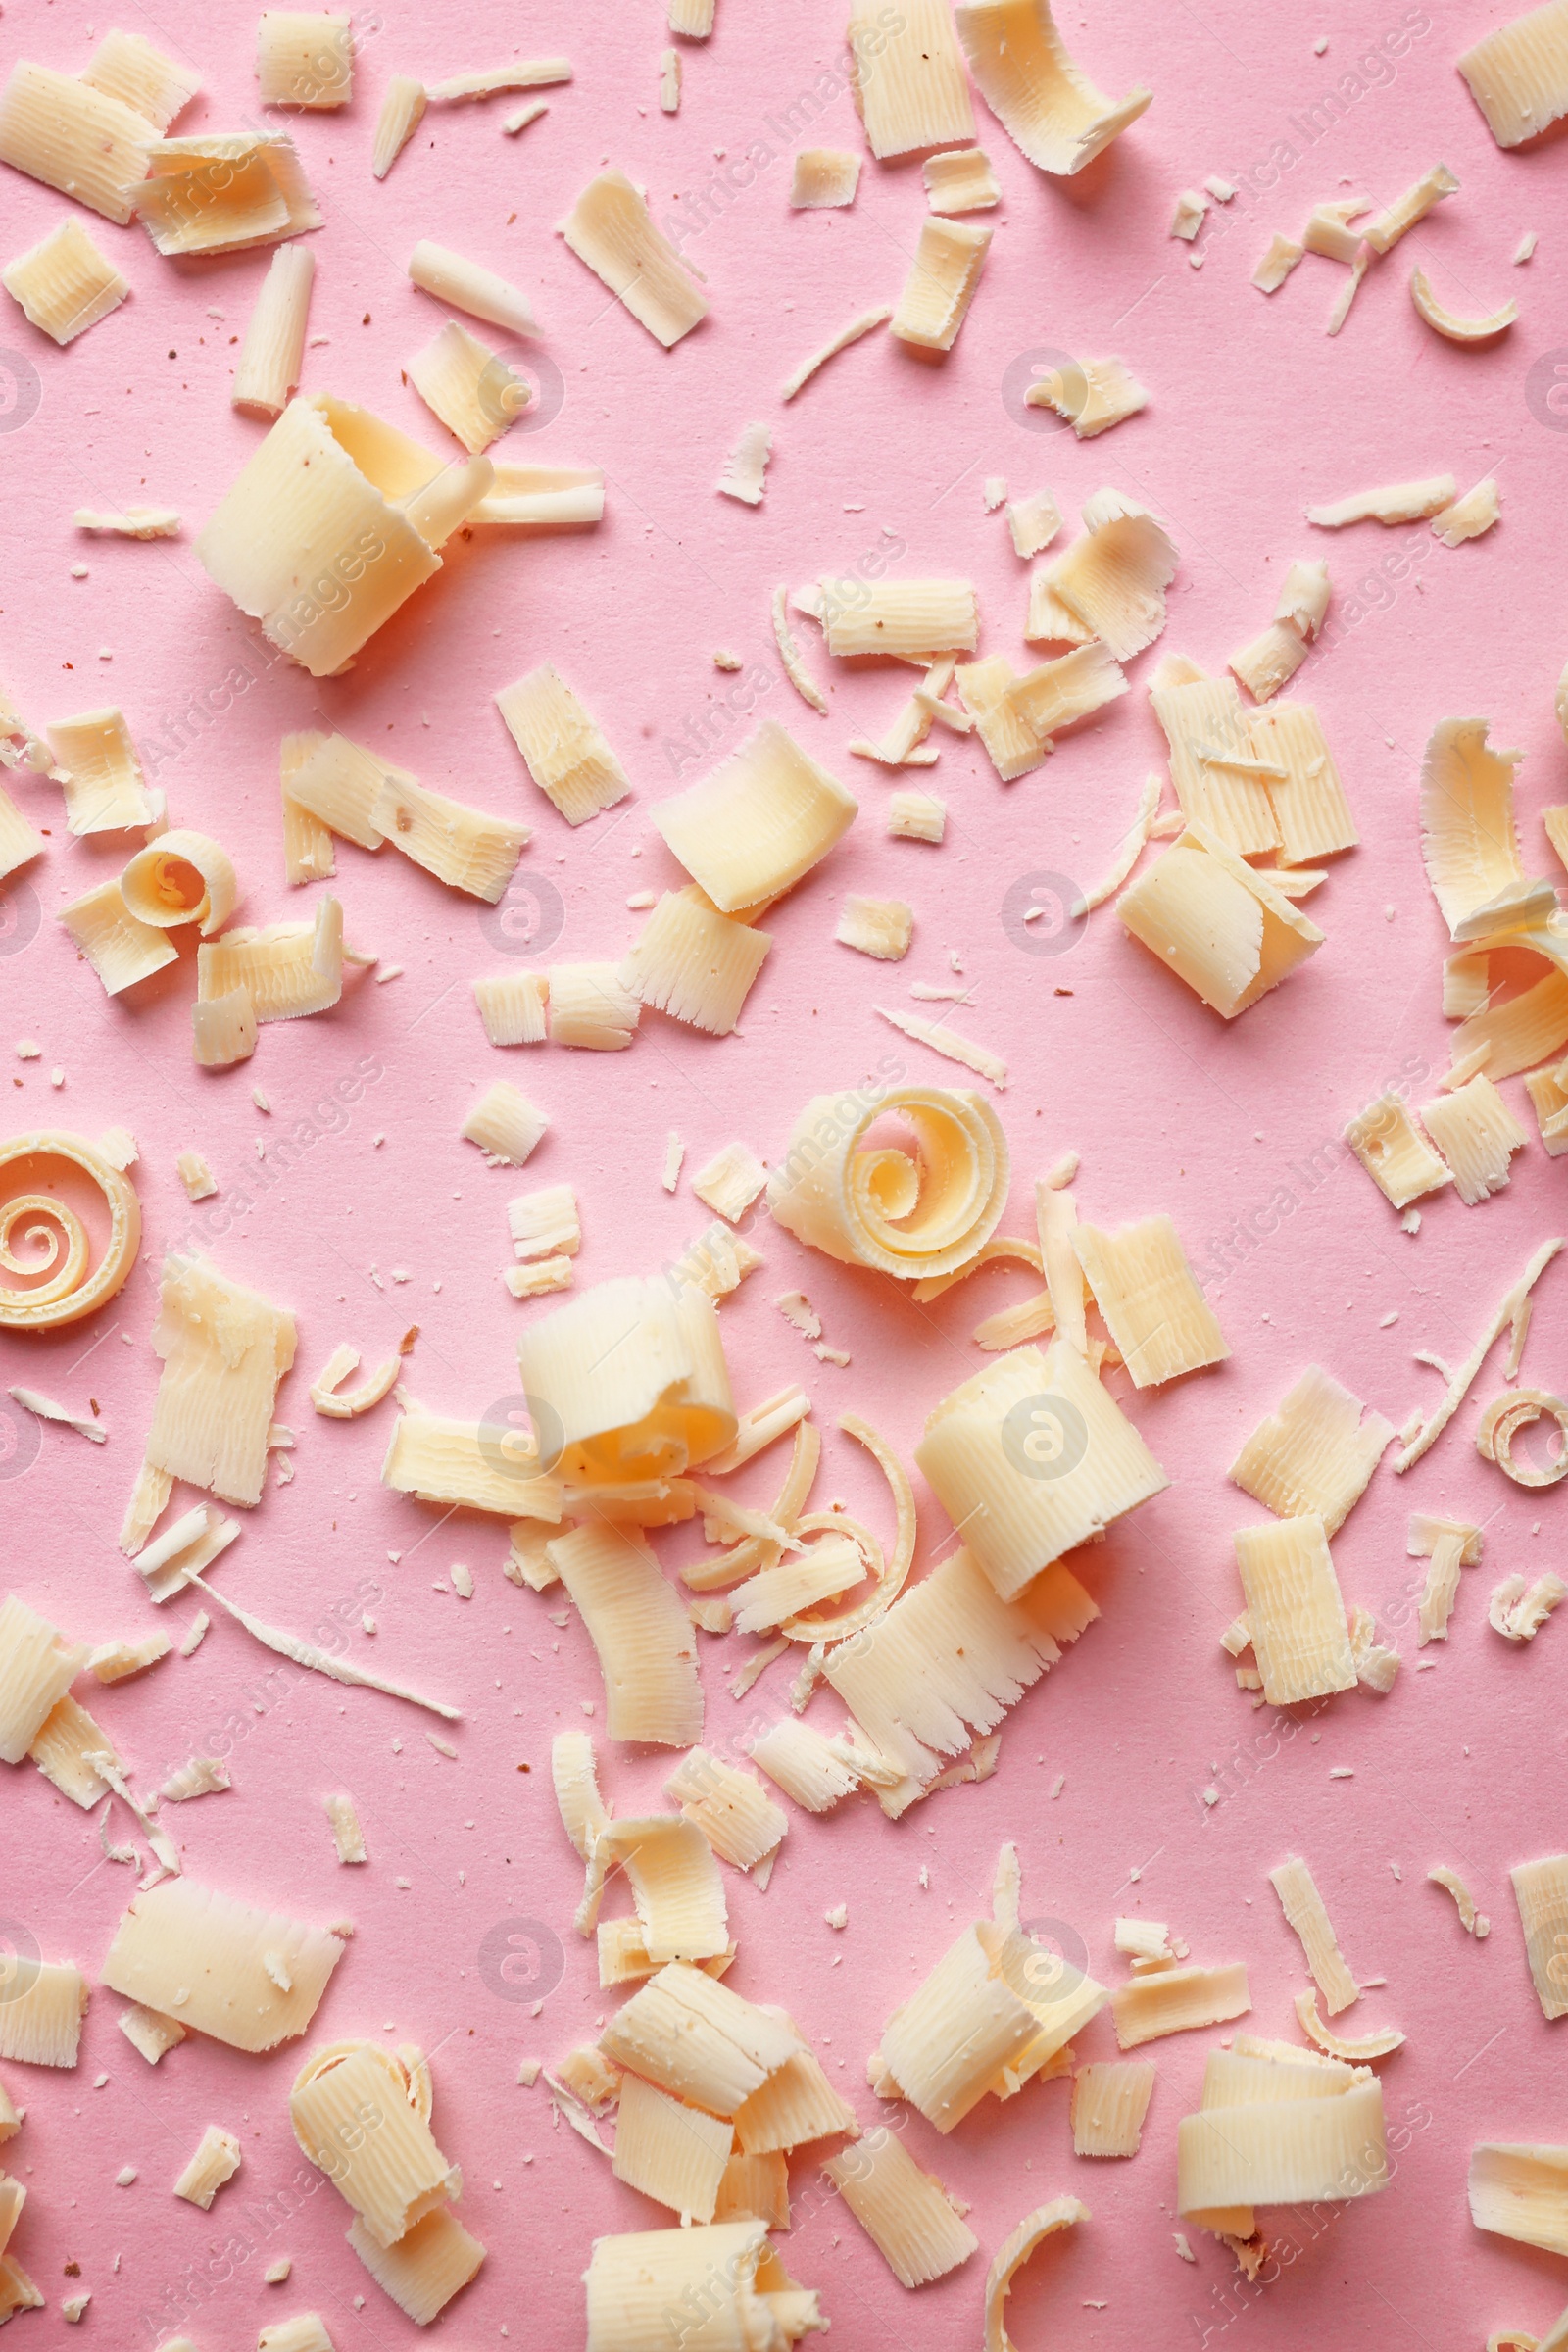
[[1254, 414]]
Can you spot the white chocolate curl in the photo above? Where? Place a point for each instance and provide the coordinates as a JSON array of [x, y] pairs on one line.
[[47, 1276], [628, 1381], [182, 877], [903, 1213], [333, 525]]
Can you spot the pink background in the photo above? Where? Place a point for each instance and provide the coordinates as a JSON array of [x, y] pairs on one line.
[[1253, 414]]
